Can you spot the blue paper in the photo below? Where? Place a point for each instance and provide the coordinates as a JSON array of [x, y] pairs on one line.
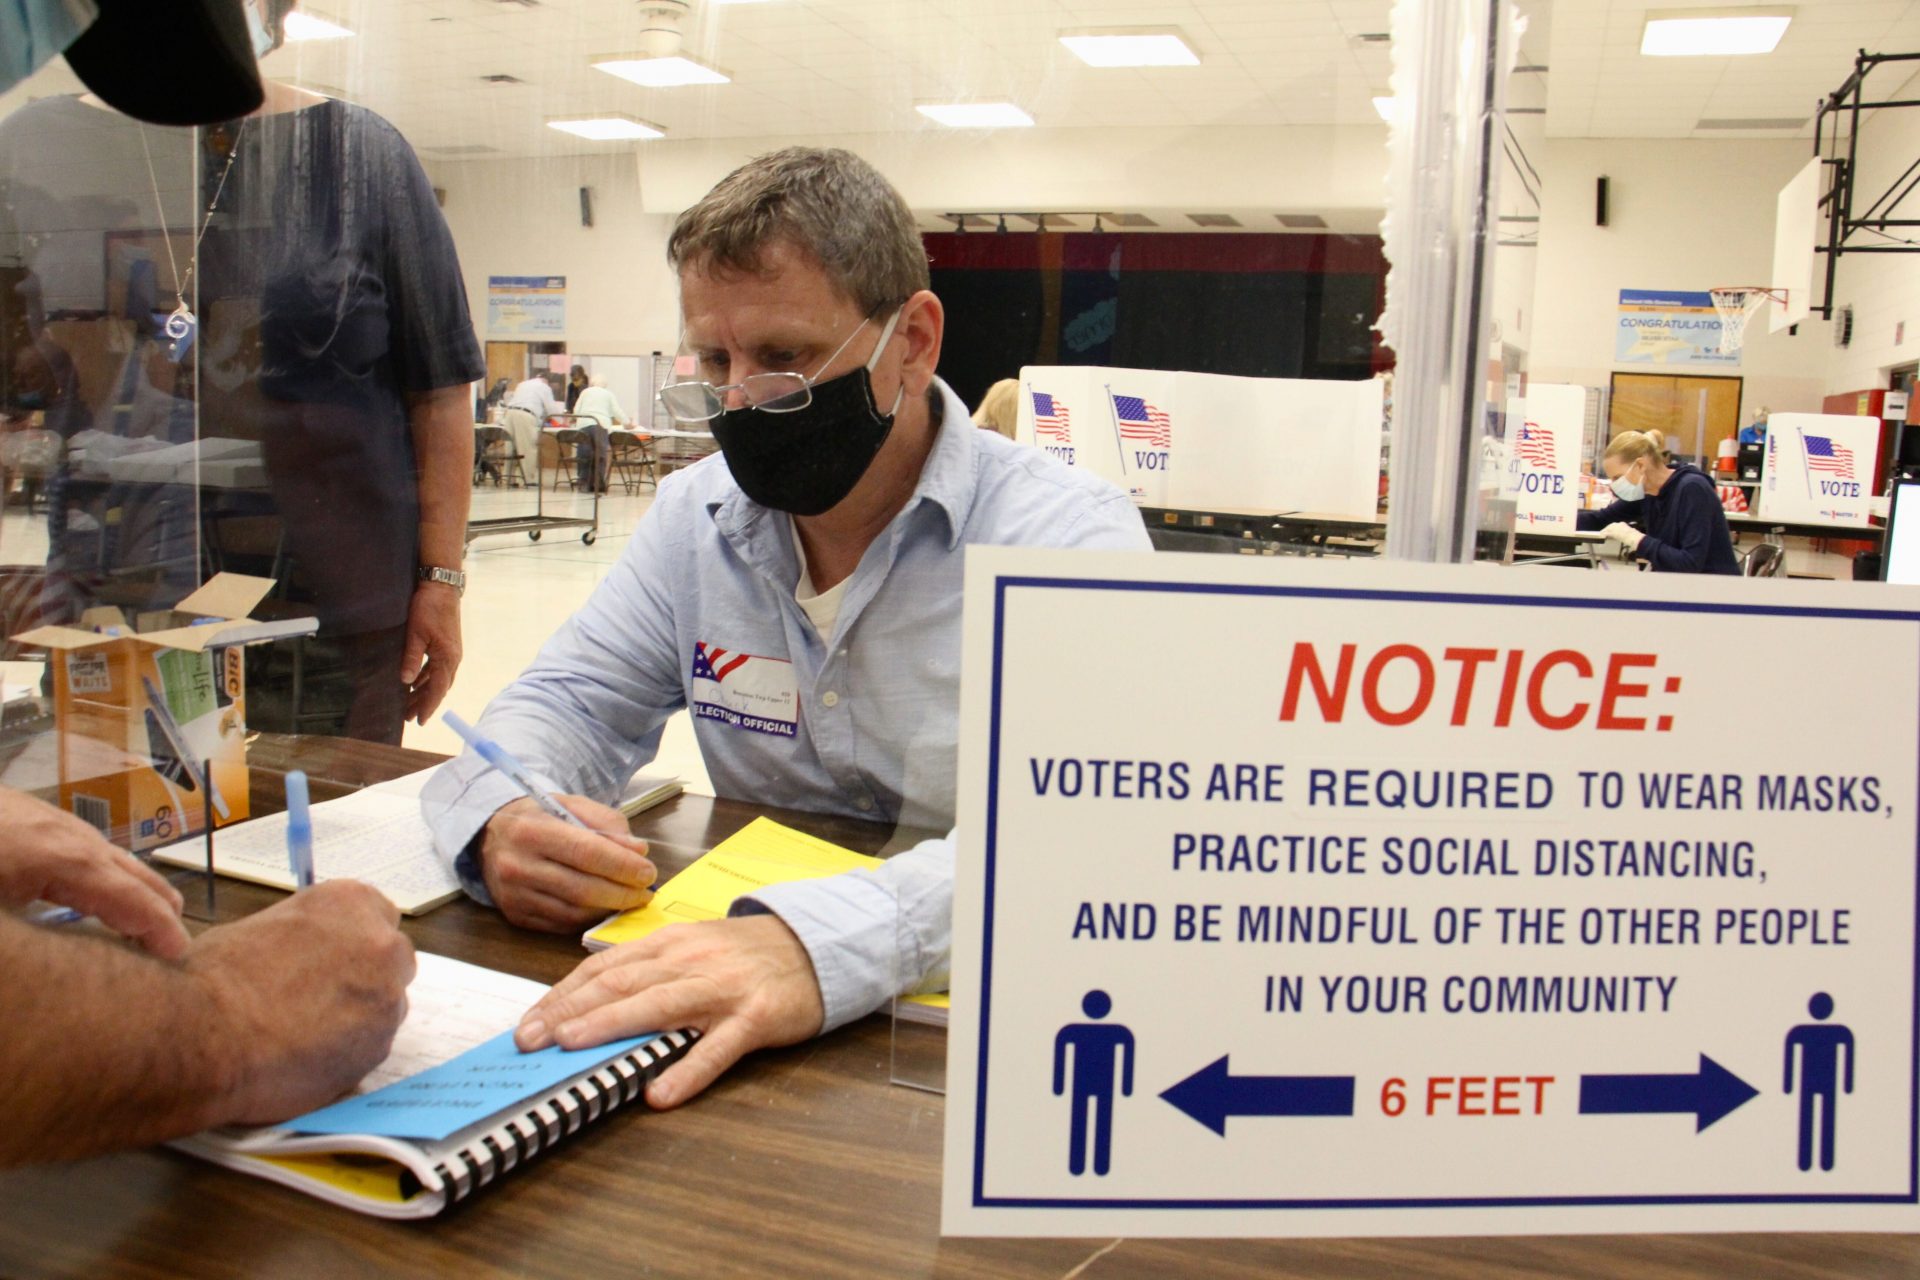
[[482, 1082]]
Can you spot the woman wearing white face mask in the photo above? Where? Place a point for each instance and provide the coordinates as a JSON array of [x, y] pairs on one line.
[[1683, 528]]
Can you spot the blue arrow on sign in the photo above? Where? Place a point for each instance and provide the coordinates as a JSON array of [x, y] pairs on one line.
[[1213, 1093], [1709, 1094]]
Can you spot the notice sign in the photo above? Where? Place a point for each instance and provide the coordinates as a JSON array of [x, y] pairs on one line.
[[1669, 326], [526, 306], [1318, 899]]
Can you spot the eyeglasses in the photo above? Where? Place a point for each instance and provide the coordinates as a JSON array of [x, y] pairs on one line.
[[767, 392]]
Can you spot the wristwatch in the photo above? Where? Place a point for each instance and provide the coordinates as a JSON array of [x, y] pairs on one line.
[[455, 578]]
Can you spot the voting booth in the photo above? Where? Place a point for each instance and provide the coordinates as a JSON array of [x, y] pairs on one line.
[[1819, 468], [1204, 441], [1541, 470]]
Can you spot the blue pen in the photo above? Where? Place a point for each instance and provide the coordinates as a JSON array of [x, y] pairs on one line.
[[496, 756], [299, 831]]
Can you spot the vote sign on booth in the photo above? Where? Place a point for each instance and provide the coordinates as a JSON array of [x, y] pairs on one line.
[[1819, 467], [1397, 899]]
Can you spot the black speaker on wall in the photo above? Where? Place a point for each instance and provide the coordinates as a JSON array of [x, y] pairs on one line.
[[1600, 193], [586, 206]]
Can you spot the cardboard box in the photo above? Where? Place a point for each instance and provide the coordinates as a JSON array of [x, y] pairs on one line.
[[141, 713]]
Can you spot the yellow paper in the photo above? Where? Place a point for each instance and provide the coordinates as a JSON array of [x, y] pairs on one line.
[[368, 1178], [759, 854]]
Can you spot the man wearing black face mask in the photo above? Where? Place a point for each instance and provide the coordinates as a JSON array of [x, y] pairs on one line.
[[800, 594]]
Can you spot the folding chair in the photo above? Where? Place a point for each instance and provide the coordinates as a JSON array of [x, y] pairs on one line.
[[571, 441], [633, 457], [497, 454]]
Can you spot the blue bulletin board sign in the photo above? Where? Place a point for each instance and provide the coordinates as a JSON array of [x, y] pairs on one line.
[[1477, 944], [1669, 327]]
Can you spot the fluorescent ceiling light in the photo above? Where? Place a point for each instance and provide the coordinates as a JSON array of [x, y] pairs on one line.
[[608, 128], [1696, 33], [311, 26], [976, 115], [668, 72], [1385, 106], [1140, 47]]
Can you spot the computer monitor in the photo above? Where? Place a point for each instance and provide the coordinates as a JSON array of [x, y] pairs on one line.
[[1900, 559]]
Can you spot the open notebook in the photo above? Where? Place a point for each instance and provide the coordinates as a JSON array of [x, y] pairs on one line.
[[452, 1109], [759, 854], [376, 835]]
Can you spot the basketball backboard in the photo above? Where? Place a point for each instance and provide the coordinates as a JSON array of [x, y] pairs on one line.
[[1795, 230]]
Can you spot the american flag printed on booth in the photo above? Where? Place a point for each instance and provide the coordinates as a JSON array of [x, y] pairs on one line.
[[1824, 455], [1051, 421], [1141, 421], [1535, 446]]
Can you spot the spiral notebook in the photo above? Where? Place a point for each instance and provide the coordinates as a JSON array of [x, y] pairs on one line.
[[452, 1109]]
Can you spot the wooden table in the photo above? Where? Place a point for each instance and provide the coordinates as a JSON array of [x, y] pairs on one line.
[[800, 1162]]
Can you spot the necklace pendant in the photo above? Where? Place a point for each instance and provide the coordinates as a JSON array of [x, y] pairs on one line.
[[181, 322]]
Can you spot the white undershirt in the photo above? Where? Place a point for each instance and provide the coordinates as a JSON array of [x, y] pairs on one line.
[[822, 608]]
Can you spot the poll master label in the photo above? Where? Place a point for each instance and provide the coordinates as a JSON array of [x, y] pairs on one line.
[[1346, 900]]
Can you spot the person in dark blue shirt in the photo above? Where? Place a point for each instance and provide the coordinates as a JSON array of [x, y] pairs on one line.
[[1682, 526]]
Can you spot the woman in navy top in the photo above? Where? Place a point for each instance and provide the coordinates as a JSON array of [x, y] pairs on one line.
[[1683, 528]]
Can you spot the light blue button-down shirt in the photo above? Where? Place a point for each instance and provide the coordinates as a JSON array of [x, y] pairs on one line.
[[699, 612]]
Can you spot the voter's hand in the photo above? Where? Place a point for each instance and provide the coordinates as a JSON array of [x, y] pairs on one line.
[[1624, 534], [549, 875], [744, 983], [53, 855], [304, 998]]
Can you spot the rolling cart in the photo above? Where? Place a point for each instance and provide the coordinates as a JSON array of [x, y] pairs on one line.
[[539, 522]]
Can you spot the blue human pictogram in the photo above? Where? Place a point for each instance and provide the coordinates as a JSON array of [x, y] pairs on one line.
[[1821, 1045], [1093, 1047]]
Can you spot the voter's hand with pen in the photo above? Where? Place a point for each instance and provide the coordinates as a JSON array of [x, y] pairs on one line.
[[54, 856], [551, 875]]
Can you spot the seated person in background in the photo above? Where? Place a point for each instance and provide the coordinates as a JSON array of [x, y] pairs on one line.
[[600, 404], [801, 594], [1000, 408], [1683, 526], [249, 1023]]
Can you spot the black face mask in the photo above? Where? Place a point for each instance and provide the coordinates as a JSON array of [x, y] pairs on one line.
[[807, 461]]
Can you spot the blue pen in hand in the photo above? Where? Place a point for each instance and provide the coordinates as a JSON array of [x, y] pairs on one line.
[[496, 756], [299, 831]]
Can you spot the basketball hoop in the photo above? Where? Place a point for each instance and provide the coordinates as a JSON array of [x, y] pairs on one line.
[[1737, 305]]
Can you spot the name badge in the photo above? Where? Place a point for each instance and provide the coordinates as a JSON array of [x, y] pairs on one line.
[[745, 690]]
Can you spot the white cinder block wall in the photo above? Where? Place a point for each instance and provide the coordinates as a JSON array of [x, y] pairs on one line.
[[522, 218], [1684, 215]]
